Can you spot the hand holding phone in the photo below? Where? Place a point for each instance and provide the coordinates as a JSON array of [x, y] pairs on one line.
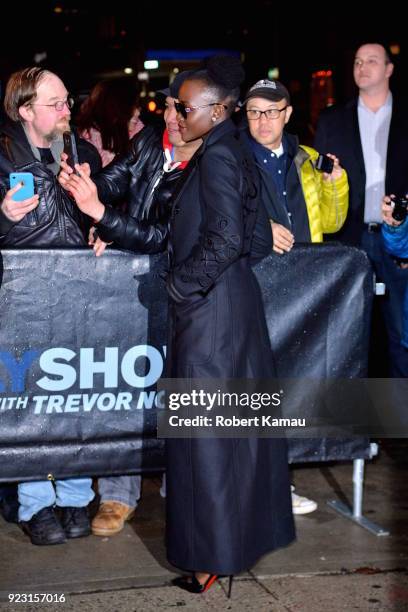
[[20, 198], [70, 149], [26, 179], [324, 164]]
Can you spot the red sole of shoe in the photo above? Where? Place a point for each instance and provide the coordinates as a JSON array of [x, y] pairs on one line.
[[210, 583]]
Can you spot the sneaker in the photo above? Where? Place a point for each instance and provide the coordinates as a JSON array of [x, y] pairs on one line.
[[111, 517], [75, 522], [44, 528], [302, 505]]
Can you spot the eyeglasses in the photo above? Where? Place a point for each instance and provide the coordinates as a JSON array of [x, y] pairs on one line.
[[59, 105], [271, 113], [184, 110]]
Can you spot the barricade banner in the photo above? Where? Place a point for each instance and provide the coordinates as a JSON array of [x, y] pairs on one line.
[[83, 344]]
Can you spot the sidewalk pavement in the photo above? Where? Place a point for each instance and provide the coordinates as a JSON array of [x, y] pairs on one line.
[[334, 565]]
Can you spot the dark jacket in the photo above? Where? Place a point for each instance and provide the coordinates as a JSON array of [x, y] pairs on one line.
[[57, 221], [133, 178], [338, 133]]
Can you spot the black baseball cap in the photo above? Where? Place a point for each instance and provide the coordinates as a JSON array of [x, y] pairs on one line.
[[270, 90], [173, 89]]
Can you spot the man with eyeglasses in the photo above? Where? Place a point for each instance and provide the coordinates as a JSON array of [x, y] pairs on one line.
[[301, 202], [370, 133], [38, 109]]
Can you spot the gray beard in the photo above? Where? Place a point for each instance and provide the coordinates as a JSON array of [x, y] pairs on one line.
[[56, 134]]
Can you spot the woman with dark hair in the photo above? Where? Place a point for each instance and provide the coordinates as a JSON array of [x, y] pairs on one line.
[[109, 117], [228, 500]]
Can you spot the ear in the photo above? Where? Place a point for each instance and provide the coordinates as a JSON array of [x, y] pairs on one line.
[[389, 70], [217, 112], [25, 113], [288, 113]]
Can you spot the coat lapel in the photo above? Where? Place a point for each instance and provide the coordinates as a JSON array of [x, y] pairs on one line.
[[354, 132]]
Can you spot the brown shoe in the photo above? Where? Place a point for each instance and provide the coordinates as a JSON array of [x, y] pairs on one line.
[[110, 518]]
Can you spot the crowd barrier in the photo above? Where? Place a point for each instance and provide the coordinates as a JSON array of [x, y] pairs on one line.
[[83, 343]]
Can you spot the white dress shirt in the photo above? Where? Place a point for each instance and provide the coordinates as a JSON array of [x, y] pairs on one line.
[[374, 131]]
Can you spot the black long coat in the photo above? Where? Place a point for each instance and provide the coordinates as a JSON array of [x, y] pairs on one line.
[[228, 500]]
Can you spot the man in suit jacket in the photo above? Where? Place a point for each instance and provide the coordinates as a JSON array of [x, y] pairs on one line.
[[370, 135]]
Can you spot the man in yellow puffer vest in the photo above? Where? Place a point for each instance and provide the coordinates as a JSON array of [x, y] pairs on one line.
[[302, 202]]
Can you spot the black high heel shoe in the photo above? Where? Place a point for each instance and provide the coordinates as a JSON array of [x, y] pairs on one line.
[[192, 585]]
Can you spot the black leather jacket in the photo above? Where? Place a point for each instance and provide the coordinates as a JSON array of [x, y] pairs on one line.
[[56, 222], [138, 179]]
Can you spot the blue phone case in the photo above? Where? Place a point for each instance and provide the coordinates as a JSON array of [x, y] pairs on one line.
[[27, 190]]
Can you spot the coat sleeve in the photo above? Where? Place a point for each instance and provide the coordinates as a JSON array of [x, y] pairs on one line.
[[129, 233], [396, 239], [262, 240], [221, 239], [114, 180], [5, 223], [334, 203]]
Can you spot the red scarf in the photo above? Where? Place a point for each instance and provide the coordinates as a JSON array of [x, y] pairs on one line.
[[167, 145]]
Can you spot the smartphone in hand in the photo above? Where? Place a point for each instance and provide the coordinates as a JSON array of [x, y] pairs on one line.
[[70, 149], [27, 188], [324, 164]]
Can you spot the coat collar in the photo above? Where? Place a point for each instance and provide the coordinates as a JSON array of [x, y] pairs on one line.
[[353, 130], [218, 132]]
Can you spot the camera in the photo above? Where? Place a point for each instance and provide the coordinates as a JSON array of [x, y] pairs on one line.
[[400, 209], [324, 164]]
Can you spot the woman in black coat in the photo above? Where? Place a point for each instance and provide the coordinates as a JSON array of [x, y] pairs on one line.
[[228, 500]]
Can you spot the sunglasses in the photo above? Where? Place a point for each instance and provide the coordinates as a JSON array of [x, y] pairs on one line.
[[184, 110]]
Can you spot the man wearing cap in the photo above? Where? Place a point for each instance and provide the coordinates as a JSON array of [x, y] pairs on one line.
[[145, 179], [302, 203]]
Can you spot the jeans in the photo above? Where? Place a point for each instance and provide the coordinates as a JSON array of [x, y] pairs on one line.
[[122, 489], [395, 280], [34, 496]]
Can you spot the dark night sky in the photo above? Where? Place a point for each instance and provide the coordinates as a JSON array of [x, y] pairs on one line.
[[89, 37]]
